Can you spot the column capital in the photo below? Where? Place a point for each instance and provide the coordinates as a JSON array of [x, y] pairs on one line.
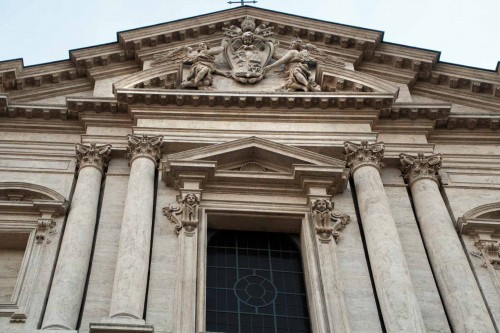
[[144, 146], [420, 167], [362, 154], [92, 156]]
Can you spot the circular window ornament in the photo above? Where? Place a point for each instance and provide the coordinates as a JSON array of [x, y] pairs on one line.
[[255, 290]]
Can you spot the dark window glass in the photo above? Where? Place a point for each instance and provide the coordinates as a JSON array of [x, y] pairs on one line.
[[255, 284]]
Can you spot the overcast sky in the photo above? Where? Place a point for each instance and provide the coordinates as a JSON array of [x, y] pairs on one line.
[[465, 31]]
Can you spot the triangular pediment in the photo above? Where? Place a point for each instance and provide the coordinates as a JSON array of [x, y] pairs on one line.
[[255, 160]]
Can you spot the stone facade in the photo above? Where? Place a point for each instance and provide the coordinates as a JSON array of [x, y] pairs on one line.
[[382, 160]]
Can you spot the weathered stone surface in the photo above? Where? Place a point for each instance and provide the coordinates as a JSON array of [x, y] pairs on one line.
[[63, 273]]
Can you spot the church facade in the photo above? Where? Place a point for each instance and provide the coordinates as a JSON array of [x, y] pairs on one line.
[[249, 171]]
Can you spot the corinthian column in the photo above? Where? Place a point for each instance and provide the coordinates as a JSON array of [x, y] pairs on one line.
[[68, 285], [462, 299], [129, 288], [396, 296]]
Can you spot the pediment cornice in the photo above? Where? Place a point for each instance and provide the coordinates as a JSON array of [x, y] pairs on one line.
[[297, 166]]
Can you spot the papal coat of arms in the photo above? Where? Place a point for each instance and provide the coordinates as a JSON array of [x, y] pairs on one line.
[[248, 49]]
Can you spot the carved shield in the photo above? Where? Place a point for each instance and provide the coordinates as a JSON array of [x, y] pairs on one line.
[[247, 60]]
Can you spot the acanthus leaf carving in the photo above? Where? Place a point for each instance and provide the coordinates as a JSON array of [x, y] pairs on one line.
[[144, 146], [327, 222], [184, 214], [93, 156], [420, 167], [362, 154]]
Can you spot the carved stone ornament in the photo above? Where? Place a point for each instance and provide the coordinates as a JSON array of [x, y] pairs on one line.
[[297, 75], [144, 146], [359, 155], [489, 252], [202, 60], [328, 223], [44, 226], [185, 214], [93, 156], [420, 167], [248, 49]]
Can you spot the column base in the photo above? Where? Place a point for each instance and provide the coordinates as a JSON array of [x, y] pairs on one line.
[[121, 325]]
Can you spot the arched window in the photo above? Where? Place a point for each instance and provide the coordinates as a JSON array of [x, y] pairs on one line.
[[255, 284]]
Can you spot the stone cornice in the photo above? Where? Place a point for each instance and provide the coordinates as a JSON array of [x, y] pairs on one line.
[[92, 156], [273, 100], [470, 122], [365, 46], [430, 111], [439, 112], [144, 146], [419, 167], [364, 154]]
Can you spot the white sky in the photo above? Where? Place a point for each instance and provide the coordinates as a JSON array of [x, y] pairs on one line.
[[465, 31]]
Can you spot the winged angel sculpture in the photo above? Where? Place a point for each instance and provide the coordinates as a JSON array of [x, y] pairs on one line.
[[202, 60], [248, 50], [296, 61]]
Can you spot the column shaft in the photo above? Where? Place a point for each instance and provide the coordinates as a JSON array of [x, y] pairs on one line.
[[396, 296], [462, 299], [129, 289], [68, 285]]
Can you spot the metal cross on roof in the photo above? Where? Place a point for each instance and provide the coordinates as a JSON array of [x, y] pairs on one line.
[[241, 2]]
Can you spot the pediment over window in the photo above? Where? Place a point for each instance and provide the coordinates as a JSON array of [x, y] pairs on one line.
[[24, 197], [254, 161], [480, 220]]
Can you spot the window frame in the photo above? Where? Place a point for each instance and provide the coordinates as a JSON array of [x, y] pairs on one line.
[[208, 216]]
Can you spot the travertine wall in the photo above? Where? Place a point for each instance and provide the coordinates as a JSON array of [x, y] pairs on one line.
[[401, 280]]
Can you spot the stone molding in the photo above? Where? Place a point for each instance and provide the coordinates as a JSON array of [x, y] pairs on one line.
[[144, 146], [420, 167], [92, 156], [362, 154], [185, 214], [327, 222]]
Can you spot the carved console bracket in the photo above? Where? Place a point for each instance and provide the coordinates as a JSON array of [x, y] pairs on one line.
[[327, 222], [184, 214], [44, 227]]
